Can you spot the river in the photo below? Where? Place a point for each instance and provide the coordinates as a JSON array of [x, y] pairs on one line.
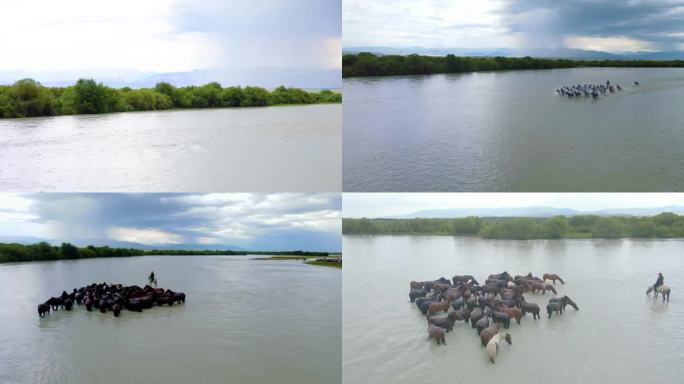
[[510, 131], [618, 335], [244, 321], [274, 149]]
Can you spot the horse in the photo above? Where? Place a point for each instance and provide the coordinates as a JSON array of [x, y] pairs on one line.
[[501, 317], [460, 315], [437, 333], [493, 345], [464, 279], [475, 315], [564, 301], [438, 307], [416, 285], [501, 276], [554, 307], [515, 313], [553, 277], [663, 289], [55, 303], [443, 322], [43, 309], [487, 333], [482, 324], [543, 287], [530, 307], [416, 293]]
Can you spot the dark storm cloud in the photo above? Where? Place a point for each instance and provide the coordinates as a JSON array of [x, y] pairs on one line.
[[660, 23], [245, 220]]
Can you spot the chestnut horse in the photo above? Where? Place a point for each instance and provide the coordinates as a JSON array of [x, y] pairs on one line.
[[543, 287], [553, 277], [438, 307], [512, 312]]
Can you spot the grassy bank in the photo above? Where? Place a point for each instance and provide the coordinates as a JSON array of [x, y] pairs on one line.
[[311, 260], [12, 252], [325, 264], [28, 98], [368, 64], [664, 225]]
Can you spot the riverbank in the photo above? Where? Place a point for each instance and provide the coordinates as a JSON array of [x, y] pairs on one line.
[[333, 261], [43, 251], [28, 98], [368, 64], [664, 225]]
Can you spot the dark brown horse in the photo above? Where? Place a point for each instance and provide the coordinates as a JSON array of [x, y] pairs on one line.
[[43, 309], [543, 288], [553, 277], [531, 308], [436, 333], [442, 322]]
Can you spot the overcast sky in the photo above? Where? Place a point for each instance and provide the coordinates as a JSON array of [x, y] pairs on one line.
[[604, 25], [169, 35], [393, 204], [250, 221]]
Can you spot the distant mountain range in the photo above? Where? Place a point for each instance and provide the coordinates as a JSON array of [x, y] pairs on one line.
[[507, 52], [267, 77], [122, 244], [535, 212]]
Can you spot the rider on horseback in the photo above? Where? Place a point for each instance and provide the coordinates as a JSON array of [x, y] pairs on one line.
[[658, 282], [152, 279]]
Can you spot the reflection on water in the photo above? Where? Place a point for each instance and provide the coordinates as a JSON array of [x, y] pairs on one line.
[[244, 321], [618, 335], [509, 131], [246, 149]]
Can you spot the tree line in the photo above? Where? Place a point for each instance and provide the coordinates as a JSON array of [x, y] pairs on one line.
[[368, 64], [27, 98], [664, 225], [43, 251]]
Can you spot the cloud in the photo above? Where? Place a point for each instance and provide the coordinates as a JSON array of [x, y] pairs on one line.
[[168, 35], [244, 220], [608, 25]]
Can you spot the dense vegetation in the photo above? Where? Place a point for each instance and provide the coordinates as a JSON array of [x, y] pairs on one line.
[[43, 251], [368, 64], [28, 97], [664, 225]]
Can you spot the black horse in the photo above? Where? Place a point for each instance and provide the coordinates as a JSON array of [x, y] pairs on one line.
[[416, 293], [531, 308], [43, 309], [564, 301]]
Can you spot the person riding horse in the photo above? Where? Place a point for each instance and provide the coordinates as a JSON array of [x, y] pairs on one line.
[[151, 277], [658, 282]]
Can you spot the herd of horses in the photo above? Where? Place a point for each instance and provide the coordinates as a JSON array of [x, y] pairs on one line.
[[111, 297], [488, 307], [587, 90]]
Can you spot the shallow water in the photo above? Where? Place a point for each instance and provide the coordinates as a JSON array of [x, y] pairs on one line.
[[509, 131], [244, 321], [275, 149], [618, 335]]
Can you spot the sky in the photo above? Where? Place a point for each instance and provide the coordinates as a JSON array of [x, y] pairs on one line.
[[372, 205], [247, 221], [169, 35], [616, 26]]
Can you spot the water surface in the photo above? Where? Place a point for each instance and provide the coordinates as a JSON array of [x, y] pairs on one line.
[[509, 131], [618, 335], [244, 321], [275, 149]]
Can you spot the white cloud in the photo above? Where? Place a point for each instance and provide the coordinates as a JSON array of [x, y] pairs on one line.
[[609, 44], [144, 236]]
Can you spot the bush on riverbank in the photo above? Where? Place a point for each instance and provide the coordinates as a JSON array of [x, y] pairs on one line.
[[27, 97], [368, 64], [44, 252], [664, 225]]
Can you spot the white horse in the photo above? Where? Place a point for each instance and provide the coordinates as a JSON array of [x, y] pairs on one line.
[[663, 289], [493, 345]]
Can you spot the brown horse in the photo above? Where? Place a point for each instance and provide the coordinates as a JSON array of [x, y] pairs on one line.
[[487, 333], [512, 312], [442, 306], [553, 277], [416, 284], [543, 287]]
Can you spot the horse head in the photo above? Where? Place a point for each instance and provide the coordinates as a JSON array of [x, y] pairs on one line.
[[508, 339]]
